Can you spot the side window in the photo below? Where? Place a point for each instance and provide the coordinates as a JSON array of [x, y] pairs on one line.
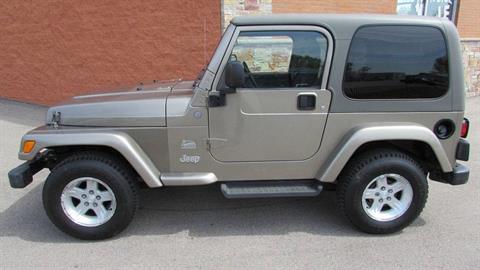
[[396, 62], [281, 59], [264, 54]]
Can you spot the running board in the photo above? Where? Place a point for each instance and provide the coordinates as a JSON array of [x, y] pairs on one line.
[[267, 189]]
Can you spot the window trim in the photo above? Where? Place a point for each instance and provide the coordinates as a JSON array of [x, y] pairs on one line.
[[398, 99], [312, 28]]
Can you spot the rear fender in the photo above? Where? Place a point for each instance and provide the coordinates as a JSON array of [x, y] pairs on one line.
[[361, 135]]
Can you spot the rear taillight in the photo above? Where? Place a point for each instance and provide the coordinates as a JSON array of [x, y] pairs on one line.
[[465, 127]]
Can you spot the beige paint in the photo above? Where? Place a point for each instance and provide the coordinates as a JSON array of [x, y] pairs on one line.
[[339, 125], [265, 125]]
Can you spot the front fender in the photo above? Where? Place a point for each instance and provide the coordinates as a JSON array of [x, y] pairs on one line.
[[361, 135], [45, 137]]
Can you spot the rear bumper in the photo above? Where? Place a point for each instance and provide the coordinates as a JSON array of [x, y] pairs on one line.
[[463, 150], [22, 175], [458, 176], [460, 173]]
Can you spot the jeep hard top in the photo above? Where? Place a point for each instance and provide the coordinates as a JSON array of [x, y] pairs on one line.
[[369, 105]]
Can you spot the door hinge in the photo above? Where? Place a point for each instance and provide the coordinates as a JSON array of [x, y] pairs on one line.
[[216, 99], [215, 142]]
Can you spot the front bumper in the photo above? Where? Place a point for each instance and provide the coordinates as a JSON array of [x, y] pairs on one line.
[[22, 175]]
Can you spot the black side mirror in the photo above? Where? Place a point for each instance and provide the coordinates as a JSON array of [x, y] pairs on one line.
[[234, 78], [234, 74]]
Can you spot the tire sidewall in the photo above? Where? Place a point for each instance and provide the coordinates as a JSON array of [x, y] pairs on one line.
[[63, 175], [407, 169]]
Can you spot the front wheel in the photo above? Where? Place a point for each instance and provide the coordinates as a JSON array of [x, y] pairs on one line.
[[382, 191], [91, 195]]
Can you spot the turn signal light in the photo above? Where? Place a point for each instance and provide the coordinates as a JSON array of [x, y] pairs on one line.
[[465, 127], [28, 146]]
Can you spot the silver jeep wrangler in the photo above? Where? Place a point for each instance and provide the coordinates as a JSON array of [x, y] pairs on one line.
[[369, 105]]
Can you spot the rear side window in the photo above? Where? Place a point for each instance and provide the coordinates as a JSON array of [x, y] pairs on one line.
[[396, 62]]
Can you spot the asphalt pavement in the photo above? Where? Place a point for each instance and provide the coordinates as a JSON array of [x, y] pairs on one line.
[[197, 228]]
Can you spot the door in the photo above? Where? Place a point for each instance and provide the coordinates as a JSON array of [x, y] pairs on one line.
[[280, 113]]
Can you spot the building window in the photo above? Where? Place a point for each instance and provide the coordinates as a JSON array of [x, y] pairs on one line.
[[434, 8], [396, 62]]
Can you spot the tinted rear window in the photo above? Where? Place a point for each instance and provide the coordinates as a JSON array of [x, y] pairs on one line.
[[396, 62]]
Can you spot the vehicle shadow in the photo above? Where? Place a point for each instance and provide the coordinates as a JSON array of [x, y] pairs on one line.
[[202, 211]]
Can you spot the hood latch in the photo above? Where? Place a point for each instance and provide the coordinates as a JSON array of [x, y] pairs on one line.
[[56, 119]]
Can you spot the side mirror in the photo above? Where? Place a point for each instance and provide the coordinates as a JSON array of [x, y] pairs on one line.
[[234, 78], [234, 74]]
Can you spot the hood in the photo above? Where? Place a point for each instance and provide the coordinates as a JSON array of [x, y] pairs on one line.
[[144, 105]]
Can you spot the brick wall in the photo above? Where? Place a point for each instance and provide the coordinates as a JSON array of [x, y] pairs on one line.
[[335, 6], [53, 49], [468, 22]]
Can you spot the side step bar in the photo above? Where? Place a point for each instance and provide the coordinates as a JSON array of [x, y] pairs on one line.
[[265, 189]]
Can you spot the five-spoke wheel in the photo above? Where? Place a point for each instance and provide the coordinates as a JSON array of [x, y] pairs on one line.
[[387, 197], [91, 195], [382, 191], [88, 201]]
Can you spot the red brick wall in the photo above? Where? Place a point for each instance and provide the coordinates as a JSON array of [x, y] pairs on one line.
[[53, 49], [335, 6], [468, 22]]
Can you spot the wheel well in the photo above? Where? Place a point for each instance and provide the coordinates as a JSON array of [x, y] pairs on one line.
[[418, 150], [58, 153]]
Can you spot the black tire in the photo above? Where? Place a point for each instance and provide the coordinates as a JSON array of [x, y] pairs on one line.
[[367, 166], [112, 171]]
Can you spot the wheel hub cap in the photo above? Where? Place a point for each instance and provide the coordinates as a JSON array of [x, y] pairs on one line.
[[387, 197], [88, 201]]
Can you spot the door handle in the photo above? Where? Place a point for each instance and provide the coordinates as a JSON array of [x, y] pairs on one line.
[[306, 101]]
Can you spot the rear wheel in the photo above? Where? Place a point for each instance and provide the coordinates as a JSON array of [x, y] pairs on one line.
[[382, 191], [91, 195]]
